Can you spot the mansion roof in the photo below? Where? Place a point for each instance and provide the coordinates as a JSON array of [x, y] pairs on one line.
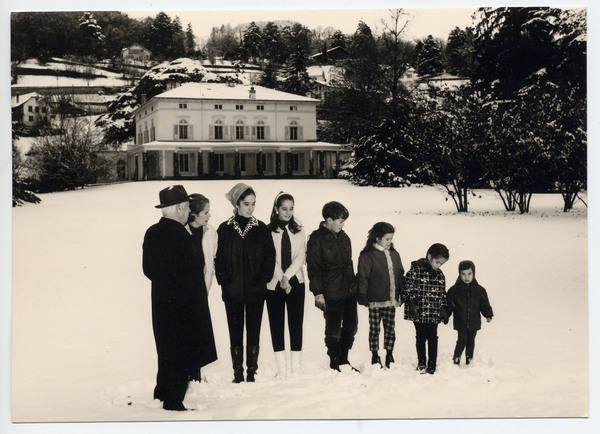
[[223, 91]]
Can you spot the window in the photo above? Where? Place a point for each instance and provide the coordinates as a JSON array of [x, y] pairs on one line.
[[294, 108], [294, 161], [243, 162], [44, 109], [183, 130], [239, 130], [220, 162], [30, 118], [260, 132], [30, 108], [37, 109], [145, 136], [152, 133], [218, 130], [151, 108], [260, 107], [218, 106], [184, 162], [293, 131], [182, 105], [267, 162], [239, 107]]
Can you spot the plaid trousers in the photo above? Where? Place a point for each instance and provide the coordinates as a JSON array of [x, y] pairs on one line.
[[388, 316]]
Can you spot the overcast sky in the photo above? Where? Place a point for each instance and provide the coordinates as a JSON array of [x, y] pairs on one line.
[[423, 22]]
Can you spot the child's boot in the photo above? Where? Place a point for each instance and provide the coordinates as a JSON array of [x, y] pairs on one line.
[[456, 360], [468, 360], [389, 359], [375, 359]]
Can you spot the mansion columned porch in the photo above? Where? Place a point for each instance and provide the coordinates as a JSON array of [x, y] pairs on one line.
[[169, 160]]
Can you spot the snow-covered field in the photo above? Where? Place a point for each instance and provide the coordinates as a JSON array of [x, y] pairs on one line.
[[83, 350]]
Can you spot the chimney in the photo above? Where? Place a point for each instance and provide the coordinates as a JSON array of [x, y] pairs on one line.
[[252, 93], [143, 99]]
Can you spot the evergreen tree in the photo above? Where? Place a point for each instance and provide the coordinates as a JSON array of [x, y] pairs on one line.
[[361, 70], [460, 52], [252, 42], [429, 57], [190, 40], [297, 38], [161, 36], [91, 37], [338, 39], [272, 44]]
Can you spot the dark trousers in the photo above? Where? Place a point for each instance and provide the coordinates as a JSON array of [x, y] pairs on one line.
[[466, 338], [427, 333], [171, 383], [341, 324], [235, 321], [276, 303]]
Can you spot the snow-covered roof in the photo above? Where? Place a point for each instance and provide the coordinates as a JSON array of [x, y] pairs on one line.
[[22, 99], [223, 91], [323, 74], [159, 145]]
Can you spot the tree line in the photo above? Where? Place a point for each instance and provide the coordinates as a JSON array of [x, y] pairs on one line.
[[518, 126]]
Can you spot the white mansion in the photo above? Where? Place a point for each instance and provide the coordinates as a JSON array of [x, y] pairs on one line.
[[203, 130]]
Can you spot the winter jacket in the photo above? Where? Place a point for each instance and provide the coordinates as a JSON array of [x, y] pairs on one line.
[[425, 294], [329, 264], [374, 278], [298, 242], [180, 314], [468, 302], [245, 260]]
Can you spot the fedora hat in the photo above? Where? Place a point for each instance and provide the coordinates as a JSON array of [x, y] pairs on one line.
[[172, 196]]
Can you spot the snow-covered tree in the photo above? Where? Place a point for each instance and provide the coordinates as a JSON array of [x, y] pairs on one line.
[[252, 42], [68, 159], [460, 52], [296, 78], [91, 37], [21, 187]]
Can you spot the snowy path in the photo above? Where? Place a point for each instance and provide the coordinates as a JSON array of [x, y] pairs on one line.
[[82, 338]]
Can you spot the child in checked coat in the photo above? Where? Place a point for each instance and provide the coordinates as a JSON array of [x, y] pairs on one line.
[[425, 303], [380, 283]]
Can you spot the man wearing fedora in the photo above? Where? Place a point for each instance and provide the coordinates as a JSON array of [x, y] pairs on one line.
[[170, 261]]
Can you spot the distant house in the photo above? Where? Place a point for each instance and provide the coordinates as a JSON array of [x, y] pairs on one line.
[[30, 109], [136, 54], [207, 130], [324, 78], [330, 56], [220, 66]]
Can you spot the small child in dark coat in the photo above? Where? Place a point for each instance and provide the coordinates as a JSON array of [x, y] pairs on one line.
[[467, 300], [380, 283]]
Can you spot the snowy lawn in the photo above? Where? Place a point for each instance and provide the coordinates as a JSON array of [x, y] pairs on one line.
[[83, 349]]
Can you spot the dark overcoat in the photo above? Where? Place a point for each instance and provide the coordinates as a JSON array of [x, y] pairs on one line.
[[180, 315], [467, 302], [245, 261]]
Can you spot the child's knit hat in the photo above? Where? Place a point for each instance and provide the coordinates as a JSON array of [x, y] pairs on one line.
[[236, 191], [466, 265]]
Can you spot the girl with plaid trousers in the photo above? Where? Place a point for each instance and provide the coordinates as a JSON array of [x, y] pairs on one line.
[[380, 283]]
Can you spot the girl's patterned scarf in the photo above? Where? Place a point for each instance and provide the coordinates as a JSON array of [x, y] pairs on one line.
[[251, 223]]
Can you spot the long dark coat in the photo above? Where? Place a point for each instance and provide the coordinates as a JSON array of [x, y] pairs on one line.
[[467, 302], [244, 264], [180, 314]]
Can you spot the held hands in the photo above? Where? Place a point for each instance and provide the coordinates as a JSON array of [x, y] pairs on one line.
[[320, 302], [285, 285]]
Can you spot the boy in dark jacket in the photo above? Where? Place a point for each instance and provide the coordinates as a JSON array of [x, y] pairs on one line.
[[467, 300], [425, 303], [332, 281]]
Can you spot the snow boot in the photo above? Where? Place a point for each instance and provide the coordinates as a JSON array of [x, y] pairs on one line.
[[281, 363], [389, 359], [237, 358], [421, 368], [456, 360], [251, 362], [344, 359], [174, 406], [295, 357], [468, 360], [375, 359], [333, 351]]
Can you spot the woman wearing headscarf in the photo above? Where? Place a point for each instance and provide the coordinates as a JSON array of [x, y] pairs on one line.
[[244, 265]]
